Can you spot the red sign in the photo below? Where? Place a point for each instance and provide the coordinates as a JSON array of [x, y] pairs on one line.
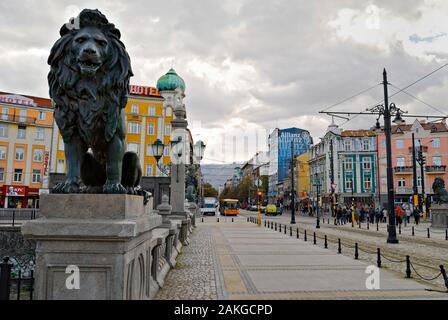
[[143, 91], [15, 99], [46, 161], [15, 191]]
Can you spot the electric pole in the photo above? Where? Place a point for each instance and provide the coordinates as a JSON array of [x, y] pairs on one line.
[[414, 171], [293, 205], [391, 228], [333, 202]]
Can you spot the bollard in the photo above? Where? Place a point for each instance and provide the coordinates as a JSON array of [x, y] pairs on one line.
[[305, 238], [368, 225], [264, 223], [413, 232], [399, 228], [328, 221], [218, 219], [5, 277], [339, 246], [290, 231], [202, 219], [326, 242], [247, 219], [428, 234], [285, 228], [356, 251], [408, 267], [276, 226], [297, 233], [377, 229], [232, 221], [446, 234], [445, 278], [314, 237], [378, 257], [280, 227]]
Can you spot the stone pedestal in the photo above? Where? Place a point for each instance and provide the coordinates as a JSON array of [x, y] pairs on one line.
[[111, 239], [439, 215]]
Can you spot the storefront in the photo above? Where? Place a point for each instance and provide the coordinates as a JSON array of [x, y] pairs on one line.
[[19, 197]]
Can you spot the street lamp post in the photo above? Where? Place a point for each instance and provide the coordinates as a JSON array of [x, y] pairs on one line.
[[317, 185], [293, 205], [414, 171], [199, 149]]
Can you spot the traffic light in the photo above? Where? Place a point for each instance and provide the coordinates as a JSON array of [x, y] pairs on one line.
[[259, 193]]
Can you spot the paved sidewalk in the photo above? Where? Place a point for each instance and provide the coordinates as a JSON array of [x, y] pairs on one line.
[[240, 260]]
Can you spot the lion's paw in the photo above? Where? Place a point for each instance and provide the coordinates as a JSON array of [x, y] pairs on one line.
[[67, 187], [114, 188]]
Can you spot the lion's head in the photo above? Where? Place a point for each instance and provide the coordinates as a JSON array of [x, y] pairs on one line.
[[438, 185], [88, 63]]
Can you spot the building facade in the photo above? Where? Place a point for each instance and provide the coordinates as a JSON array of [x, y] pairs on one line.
[[280, 151], [26, 124], [303, 176], [433, 137]]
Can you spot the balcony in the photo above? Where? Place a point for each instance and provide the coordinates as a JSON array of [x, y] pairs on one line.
[[403, 170], [17, 119], [436, 169]]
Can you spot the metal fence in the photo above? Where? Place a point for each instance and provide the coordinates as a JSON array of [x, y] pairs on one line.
[[14, 216], [16, 280]]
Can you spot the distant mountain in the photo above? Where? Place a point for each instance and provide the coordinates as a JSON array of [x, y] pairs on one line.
[[217, 174]]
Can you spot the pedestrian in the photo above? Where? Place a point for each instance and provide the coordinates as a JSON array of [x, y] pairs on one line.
[[357, 214], [378, 215], [416, 215], [384, 214], [399, 214], [408, 214], [372, 214]]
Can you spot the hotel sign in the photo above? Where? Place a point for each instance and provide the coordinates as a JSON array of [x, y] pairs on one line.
[[15, 99], [143, 91]]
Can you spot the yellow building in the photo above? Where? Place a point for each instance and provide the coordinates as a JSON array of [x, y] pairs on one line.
[[303, 176], [26, 127], [146, 121]]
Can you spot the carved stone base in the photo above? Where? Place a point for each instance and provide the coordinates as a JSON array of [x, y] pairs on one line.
[[111, 239], [439, 216]]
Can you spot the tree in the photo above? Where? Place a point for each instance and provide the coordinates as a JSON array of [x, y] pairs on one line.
[[209, 191], [264, 184]]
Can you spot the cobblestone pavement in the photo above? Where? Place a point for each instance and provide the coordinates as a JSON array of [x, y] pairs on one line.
[[238, 260], [426, 254], [194, 275]]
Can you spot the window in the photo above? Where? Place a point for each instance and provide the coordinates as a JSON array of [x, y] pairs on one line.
[[2, 174], [61, 166], [366, 144], [167, 129], [2, 153], [38, 155], [400, 162], [149, 151], [436, 143], [134, 127], [149, 170], [5, 112], [399, 144], [133, 147], [348, 164], [18, 175], [401, 183], [61, 144], [20, 153], [40, 133], [169, 112], [419, 181], [22, 116], [41, 115], [367, 163], [383, 143], [347, 145], [436, 160], [348, 184], [151, 129], [21, 133], [417, 143], [166, 151], [3, 130], [134, 108], [367, 182], [36, 176], [151, 111]]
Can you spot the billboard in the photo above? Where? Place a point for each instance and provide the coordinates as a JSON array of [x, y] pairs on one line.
[[300, 140]]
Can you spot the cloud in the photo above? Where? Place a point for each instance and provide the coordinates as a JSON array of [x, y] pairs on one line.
[[251, 66]]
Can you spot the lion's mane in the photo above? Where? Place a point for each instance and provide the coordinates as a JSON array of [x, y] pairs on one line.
[[78, 105]]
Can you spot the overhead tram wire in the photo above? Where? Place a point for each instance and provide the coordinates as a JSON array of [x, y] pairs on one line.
[[352, 97]]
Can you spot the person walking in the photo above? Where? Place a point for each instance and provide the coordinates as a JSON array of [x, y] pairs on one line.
[[384, 215], [372, 214], [378, 215], [399, 214], [417, 215], [408, 214]]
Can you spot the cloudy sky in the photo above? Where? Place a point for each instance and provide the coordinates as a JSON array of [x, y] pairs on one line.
[[251, 65]]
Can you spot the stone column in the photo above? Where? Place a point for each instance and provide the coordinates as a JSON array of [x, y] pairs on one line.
[[101, 242]]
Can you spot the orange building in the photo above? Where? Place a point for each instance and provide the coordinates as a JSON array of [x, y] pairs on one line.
[[433, 137], [26, 124]]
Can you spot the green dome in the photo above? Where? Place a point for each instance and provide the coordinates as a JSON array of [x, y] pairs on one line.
[[170, 81]]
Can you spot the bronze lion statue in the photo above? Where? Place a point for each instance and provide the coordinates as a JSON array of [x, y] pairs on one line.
[[440, 193], [89, 84]]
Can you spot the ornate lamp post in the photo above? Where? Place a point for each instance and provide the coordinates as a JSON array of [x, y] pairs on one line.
[[157, 150], [199, 150], [317, 185]]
